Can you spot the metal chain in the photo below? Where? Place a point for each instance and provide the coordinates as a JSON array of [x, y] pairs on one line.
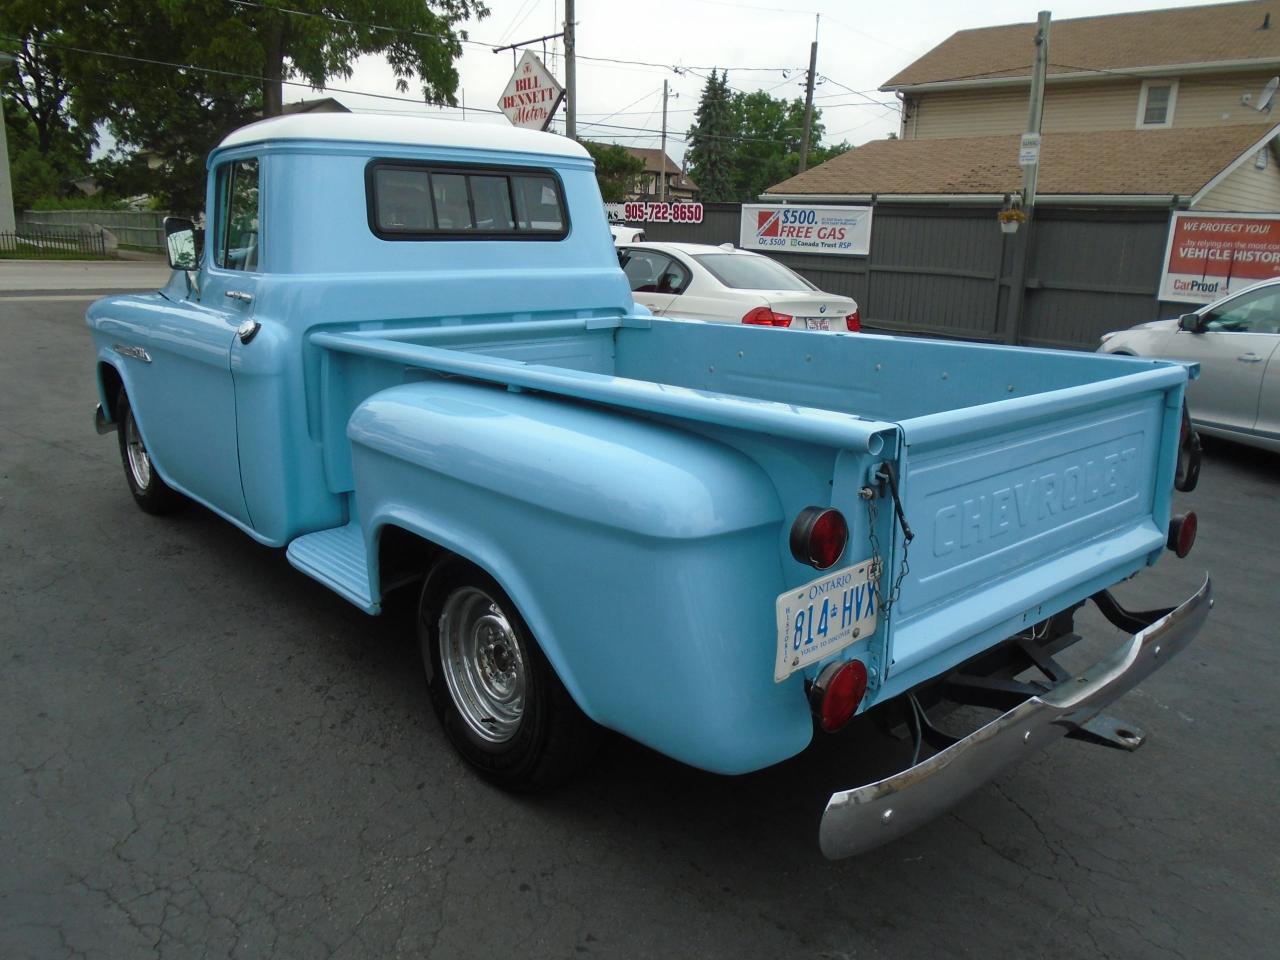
[[877, 561]]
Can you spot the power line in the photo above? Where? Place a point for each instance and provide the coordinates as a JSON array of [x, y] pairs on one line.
[[513, 26], [615, 113], [849, 89], [675, 68], [333, 18], [231, 73], [359, 93]]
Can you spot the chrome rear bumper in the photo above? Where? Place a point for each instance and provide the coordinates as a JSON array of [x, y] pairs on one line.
[[865, 817]]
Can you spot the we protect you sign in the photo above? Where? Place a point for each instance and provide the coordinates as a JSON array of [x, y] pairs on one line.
[[1212, 254]]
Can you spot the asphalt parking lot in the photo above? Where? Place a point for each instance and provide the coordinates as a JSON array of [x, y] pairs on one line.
[[205, 753]]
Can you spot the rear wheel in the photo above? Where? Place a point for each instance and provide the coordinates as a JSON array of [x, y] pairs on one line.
[[150, 492], [498, 699]]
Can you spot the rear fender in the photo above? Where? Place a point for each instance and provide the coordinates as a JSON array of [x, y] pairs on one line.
[[643, 557]]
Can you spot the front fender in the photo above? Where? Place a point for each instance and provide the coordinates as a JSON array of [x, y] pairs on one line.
[[643, 556]]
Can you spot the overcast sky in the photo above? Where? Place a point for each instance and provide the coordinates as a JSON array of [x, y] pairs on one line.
[[860, 46]]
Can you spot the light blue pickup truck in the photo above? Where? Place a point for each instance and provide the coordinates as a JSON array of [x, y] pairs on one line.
[[406, 353]]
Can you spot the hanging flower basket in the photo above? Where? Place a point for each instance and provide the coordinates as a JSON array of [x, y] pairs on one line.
[[1010, 219]]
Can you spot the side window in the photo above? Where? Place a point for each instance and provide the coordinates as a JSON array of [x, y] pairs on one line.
[[645, 269], [238, 218], [674, 278], [1257, 312], [414, 201]]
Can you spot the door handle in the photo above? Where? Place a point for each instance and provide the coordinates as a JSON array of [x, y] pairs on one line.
[[1249, 357], [242, 295]]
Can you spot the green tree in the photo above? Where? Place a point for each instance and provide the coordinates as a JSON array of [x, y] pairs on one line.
[[240, 53], [711, 139], [766, 149], [48, 148], [744, 143], [616, 170]]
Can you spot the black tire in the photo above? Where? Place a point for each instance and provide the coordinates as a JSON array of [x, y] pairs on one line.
[[150, 492], [530, 745]]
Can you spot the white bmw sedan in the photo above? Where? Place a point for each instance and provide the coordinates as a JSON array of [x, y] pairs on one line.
[[727, 285], [1236, 341]]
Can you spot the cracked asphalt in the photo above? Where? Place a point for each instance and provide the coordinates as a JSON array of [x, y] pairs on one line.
[[206, 754]]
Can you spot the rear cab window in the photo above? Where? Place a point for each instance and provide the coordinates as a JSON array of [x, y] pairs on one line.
[[424, 201]]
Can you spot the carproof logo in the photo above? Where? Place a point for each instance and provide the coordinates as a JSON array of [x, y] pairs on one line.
[[1196, 286], [1042, 501]]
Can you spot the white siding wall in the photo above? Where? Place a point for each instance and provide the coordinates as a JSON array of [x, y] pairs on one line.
[[1202, 101], [1247, 189]]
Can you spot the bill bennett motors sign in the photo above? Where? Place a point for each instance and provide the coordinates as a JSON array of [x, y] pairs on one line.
[[796, 228], [532, 94]]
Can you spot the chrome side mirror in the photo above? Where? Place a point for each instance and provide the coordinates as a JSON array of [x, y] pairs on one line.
[[1191, 323], [180, 243]]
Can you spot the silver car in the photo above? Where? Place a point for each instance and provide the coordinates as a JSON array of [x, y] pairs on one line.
[[1236, 341]]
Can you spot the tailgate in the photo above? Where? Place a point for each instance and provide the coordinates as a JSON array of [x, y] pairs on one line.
[[1022, 507]]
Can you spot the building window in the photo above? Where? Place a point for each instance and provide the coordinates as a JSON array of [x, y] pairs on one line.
[[1156, 102]]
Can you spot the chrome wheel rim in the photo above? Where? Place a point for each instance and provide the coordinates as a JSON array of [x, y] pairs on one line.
[[483, 664], [136, 452]]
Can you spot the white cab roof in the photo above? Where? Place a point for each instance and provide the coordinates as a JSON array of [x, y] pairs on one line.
[[413, 131]]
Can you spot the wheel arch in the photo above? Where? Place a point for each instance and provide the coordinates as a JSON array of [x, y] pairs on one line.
[[110, 383], [407, 547]]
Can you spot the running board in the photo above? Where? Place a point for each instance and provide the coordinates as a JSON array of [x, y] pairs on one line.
[[338, 559]]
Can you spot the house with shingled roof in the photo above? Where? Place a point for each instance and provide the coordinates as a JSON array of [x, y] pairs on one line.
[[680, 185], [1166, 107]]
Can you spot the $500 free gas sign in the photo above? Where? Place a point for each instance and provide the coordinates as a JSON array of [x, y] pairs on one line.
[[800, 229]]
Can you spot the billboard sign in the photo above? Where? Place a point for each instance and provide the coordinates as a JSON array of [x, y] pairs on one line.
[[1212, 254], [796, 228], [532, 94]]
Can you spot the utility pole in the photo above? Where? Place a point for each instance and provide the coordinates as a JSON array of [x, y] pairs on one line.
[[808, 97], [8, 223], [662, 181], [1036, 110], [1022, 239], [570, 74]]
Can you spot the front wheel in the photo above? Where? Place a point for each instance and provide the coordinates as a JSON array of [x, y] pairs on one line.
[[150, 492], [498, 699]]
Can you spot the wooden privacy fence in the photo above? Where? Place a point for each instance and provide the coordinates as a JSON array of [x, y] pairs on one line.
[[949, 271], [137, 228]]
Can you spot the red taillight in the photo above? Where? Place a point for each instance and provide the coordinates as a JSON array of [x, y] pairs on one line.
[[854, 320], [764, 317], [836, 694], [818, 536], [1182, 533]]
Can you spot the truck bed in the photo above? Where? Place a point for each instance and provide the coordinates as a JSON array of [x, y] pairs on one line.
[[1031, 478]]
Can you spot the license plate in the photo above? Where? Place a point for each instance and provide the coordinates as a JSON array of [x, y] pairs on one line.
[[824, 616], [817, 323]]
